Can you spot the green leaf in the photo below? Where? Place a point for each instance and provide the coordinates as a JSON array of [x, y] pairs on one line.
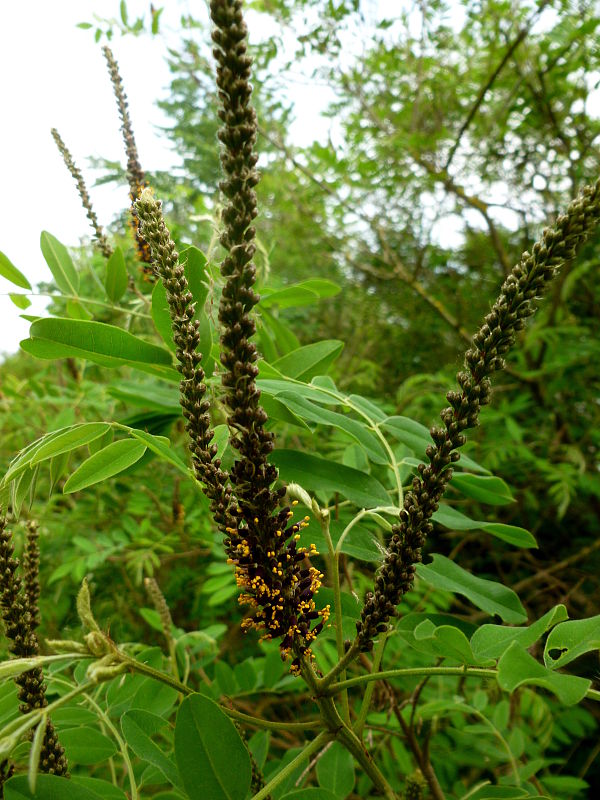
[[147, 395], [49, 787], [213, 761], [304, 293], [20, 300], [194, 265], [335, 770], [446, 641], [312, 793], [116, 279], [162, 447], [487, 595], [312, 412], [69, 439], [483, 488], [60, 263], [455, 520], [103, 344], [87, 745], [161, 316], [518, 668], [572, 639], [12, 274], [102, 789], [490, 641], [138, 727], [103, 465], [314, 473], [310, 360]]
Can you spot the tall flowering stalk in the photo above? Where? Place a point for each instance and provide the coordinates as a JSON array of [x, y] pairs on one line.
[[273, 572], [135, 174], [101, 240], [522, 287], [21, 616]]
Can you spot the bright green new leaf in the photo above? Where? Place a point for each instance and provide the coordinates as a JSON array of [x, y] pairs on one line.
[[335, 770], [116, 279], [487, 595], [483, 488], [310, 360], [69, 439], [20, 300], [103, 465], [87, 745], [572, 639], [138, 727], [103, 344], [490, 641], [212, 759], [517, 668], [314, 473], [12, 274], [60, 263]]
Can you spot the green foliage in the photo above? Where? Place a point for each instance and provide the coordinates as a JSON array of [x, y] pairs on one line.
[[364, 308]]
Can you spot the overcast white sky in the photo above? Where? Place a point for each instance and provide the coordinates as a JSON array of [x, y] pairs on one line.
[[54, 76]]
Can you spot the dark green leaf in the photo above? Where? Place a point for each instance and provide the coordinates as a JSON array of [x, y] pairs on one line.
[[490, 641], [87, 745], [49, 787], [517, 668], [455, 520], [312, 793], [314, 473], [572, 639], [335, 770], [483, 488], [213, 761], [138, 727], [487, 595]]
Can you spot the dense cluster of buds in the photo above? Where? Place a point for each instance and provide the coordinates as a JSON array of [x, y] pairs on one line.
[[135, 174], [278, 581], [21, 617], [496, 336], [101, 240]]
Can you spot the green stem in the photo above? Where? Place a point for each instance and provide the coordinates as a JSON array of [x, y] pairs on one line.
[[334, 565], [120, 309], [366, 702], [465, 672], [310, 748], [349, 656], [169, 680]]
